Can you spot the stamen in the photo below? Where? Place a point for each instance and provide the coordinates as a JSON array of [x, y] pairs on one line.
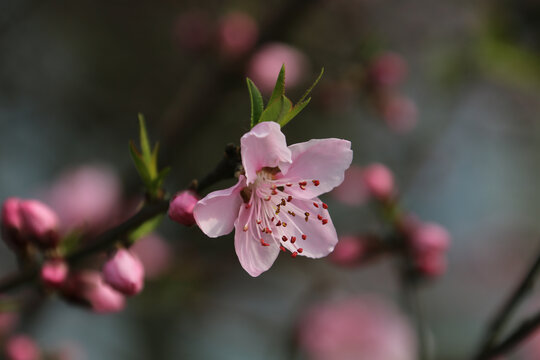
[[245, 227], [268, 198], [324, 221], [324, 206], [289, 199], [248, 205], [294, 254], [316, 182], [278, 223], [272, 219], [274, 192], [300, 250], [284, 238], [263, 243], [315, 204], [319, 217], [291, 213], [282, 248], [273, 187], [304, 236], [268, 231], [284, 224], [259, 221], [302, 183], [307, 214], [288, 184], [293, 239]]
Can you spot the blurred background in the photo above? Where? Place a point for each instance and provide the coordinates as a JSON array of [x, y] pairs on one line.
[[445, 94]]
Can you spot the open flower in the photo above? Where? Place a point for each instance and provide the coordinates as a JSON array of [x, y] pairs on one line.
[[275, 205]]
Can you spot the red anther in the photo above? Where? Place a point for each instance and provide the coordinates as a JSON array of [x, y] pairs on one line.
[[324, 206], [289, 199], [291, 213], [277, 211], [304, 236], [263, 243], [302, 183], [268, 198], [272, 219], [300, 250], [245, 227], [316, 182], [268, 231], [302, 187], [284, 224], [288, 184], [315, 204], [293, 239], [259, 222], [294, 254], [274, 192], [248, 206], [284, 238], [278, 223], [325, 221], [282, 248], [273, 187], [283, 202], [319, 217], [306, 213]]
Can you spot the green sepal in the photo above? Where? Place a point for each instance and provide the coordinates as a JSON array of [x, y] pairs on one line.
[[145, 228], [308, 91], [140, 165], [257, 105], [277, 110], [70, 242], [145, 144], [279, 88], [294, 111]]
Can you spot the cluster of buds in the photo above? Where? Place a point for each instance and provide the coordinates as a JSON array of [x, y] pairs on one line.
[[385, 73], [424, 244]]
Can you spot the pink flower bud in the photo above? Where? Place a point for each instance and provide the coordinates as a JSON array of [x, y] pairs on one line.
[[22, 347], [388, 70], [124, 272], [40, 223], [352, 190], [429, 244], [349, 251], [399, 113], [238, 33], [54, 272], [88, 288], [265, 64], [181, 207], [12, 224], [155, 254], [379, 181]]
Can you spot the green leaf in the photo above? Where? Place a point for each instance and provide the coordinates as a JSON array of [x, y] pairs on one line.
[[145, 228], [279, 89], [257, 105], [277, 110], [294, 111], [145, 144], [158, 181], [154, 162], [311, 87], [140, 165]]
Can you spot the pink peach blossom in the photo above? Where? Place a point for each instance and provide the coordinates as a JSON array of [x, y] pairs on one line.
[[54, 272], [429, 242], [275, 204], [22, 347], [359, 328], [400, 113], [86, 197], [181, 207], [8, 321], [155, 254], [124, 272], [379, 181], [238, 33], [267, 61]]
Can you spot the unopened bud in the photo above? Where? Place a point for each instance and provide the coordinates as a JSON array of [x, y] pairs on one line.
[[21, 347], [54, 272], [379, 181], [124, 272], [88, 288], [181, 207]]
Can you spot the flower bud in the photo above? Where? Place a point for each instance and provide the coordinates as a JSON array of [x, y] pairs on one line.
[[88, 288], [40, 223], [379, 181], [181, 207], [348, 251], [124, 272], [352, 190], [12, 224], [22, 347], [238, 33], [387, 70], [399, 113], [429, 244], [54, 272]]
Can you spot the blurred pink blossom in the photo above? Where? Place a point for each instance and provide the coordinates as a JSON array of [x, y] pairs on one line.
[[359, 328], [86, 287], [267, 61], [429, 242], [193, 30], [155, 254], [54, 272], [86, 197], [281, 186], [399, 113], [379, 181], [22, 347], [387, 69], [181, 207], [238, 33], [352, 190], [348, 251], [124, 272], [8, 320]]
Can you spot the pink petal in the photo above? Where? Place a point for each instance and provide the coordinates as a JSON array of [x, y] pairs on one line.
[[263, 146], [320, 233], [322, 162], [216, 213], [254, 257]]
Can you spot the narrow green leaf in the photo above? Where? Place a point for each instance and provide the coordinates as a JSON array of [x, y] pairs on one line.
[[158, 181], [154, 163], [311, 87], [279, 89], [294, 111], [256, 99], [277, 110], [145, 228], [145, 144], [140, 165]]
